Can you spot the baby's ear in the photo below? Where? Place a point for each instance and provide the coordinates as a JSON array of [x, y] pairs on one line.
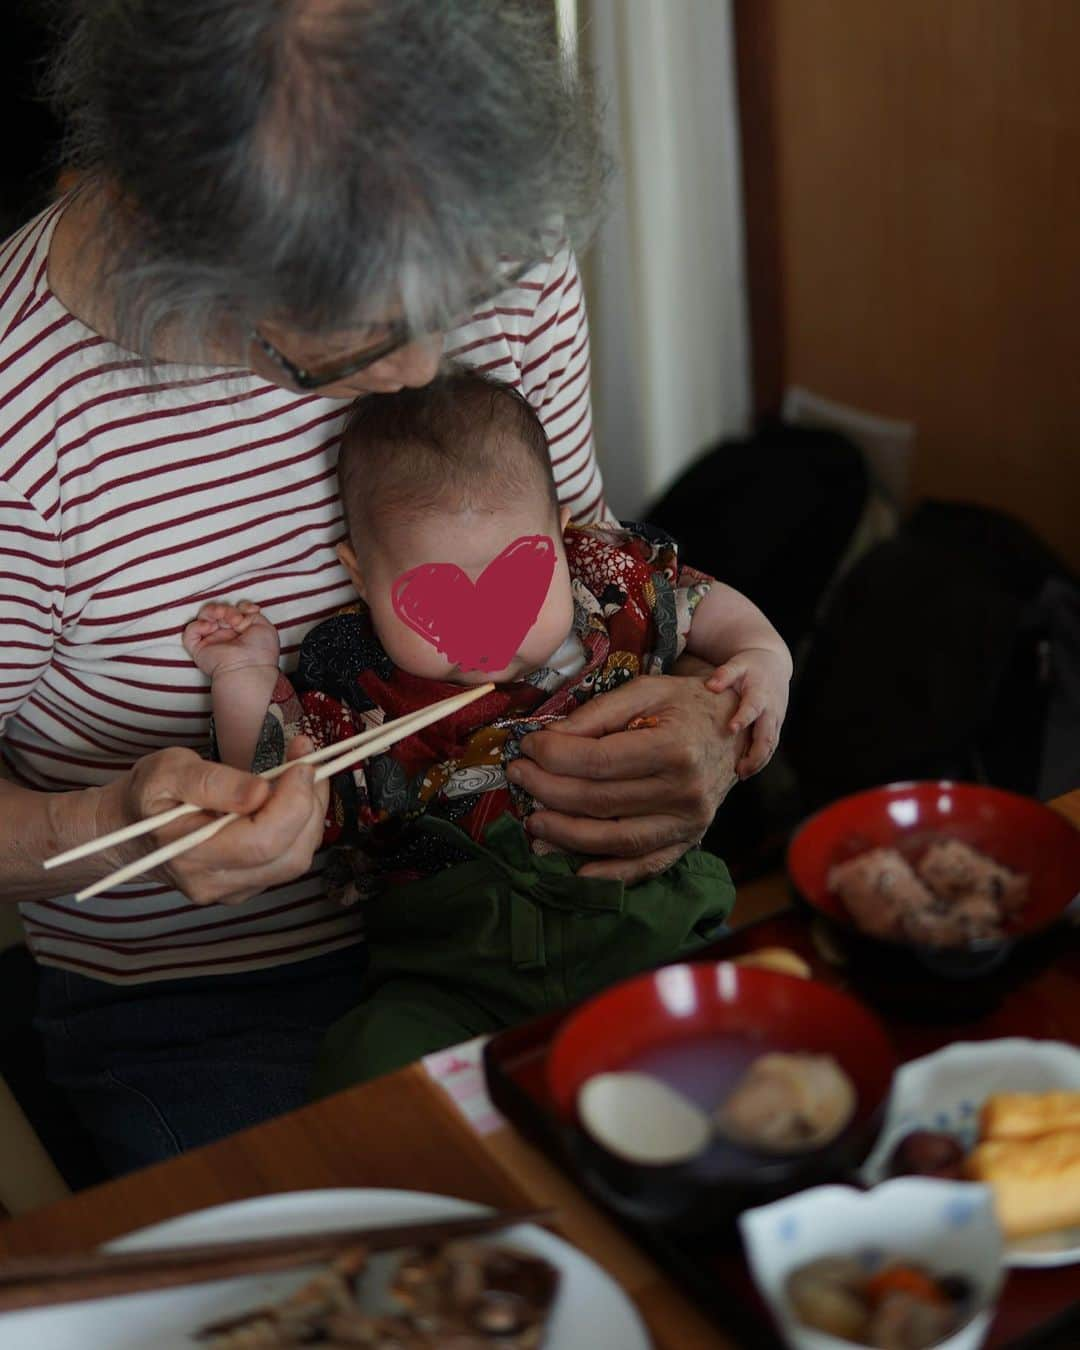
[[564, 517], [347, 558]]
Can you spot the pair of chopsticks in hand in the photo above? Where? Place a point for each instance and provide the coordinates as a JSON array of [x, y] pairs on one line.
[[36, 1282], [332, 759]]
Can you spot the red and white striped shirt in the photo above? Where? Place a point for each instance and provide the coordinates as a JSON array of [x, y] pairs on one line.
[[127, 498]]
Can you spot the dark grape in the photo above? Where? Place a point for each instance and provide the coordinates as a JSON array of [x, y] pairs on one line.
[[927, 1153]]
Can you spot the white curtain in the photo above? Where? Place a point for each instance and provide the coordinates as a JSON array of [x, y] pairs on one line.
[[666, 276]]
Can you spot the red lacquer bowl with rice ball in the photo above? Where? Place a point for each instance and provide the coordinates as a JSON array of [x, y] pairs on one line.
[[698, 1027]]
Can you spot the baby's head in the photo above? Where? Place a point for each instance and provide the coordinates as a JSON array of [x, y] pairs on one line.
[[455, 473]]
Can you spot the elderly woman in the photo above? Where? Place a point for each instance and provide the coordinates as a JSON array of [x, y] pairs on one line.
[[283, 205]]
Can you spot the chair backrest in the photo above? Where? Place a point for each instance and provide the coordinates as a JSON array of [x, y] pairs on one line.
[[28, 1177]]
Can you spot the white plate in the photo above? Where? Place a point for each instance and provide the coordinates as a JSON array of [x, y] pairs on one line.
[[945, 1091], [591, 1311]]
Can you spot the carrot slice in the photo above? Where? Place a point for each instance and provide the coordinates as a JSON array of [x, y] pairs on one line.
[[905, 1280]]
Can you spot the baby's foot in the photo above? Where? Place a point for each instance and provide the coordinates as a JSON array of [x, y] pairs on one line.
[[229, 637]]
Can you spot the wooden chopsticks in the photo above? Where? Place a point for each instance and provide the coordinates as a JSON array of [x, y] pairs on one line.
[[37, 1282], [332, 759]]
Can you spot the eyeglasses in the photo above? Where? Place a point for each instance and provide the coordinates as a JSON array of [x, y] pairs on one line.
[[398, 335]]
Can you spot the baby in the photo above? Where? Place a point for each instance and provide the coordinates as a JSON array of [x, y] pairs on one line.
[[469, 571]]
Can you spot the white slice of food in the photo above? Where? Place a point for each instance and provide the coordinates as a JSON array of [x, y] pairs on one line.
[[639, 1118]]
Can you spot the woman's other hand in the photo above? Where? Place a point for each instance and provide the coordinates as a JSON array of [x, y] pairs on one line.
[[635, 799]]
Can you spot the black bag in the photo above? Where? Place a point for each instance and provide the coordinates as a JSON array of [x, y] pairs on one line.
[[1059, 616], [934, 658], [771, 515]]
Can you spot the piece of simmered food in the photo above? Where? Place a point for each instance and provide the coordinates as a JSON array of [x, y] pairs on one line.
[[828, 1295], [788, 1103], [898, 1306], [468, 1295]]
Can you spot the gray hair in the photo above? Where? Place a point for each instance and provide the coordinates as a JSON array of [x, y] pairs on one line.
[[313, 161]]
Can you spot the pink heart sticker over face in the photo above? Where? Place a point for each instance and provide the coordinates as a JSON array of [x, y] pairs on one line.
[[478, 626]]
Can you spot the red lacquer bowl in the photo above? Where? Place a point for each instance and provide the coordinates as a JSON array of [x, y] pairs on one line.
[[698, 1026], [1017, 831]]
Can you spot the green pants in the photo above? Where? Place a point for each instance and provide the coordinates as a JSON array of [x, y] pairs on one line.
[[503, 938]]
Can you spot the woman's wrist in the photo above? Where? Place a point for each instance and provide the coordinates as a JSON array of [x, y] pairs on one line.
[[693, 667], [75, 818], [39, 825]]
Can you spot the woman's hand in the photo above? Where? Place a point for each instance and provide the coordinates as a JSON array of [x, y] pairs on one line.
[[274, 843], [637, 799]]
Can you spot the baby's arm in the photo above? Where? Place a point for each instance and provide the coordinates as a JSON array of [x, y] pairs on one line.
[[238, 648], [730, 632]]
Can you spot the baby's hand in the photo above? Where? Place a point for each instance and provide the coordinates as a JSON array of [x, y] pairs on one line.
[[231, 637], [760, 677]]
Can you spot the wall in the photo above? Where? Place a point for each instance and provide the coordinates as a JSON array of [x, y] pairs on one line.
[[28, 163], [913, 211]]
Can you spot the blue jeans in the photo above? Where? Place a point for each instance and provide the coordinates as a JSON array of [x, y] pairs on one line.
[[154, 1069]]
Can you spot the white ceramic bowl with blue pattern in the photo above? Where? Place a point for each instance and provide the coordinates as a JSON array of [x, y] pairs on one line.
[[946, 1090], [946, 1226]]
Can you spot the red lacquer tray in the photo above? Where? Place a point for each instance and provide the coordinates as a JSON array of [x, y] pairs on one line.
[[1035, 1305]]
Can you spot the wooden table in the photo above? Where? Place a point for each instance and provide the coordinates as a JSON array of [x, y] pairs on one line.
[[400, 1131]]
